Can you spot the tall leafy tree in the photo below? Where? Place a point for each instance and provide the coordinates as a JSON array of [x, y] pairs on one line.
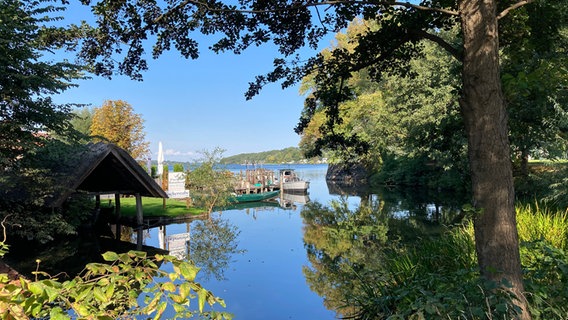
[[210, 185], [411, 126], [30, 121], [82, 120], [28, 78], [401, 25], [536, 80], [116, 122]]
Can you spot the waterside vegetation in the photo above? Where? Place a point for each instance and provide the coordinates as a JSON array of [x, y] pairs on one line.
[[382, 271]]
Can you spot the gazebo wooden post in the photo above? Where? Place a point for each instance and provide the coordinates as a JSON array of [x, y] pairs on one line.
[[139, 211], [117, 206], [139, 237], [97, 201], [117, 215], [139, 221]]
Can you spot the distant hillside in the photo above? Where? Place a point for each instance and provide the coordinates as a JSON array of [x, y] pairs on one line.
[[288, 155]]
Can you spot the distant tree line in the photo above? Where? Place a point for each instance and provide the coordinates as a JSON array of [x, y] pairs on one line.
[[287, 155]]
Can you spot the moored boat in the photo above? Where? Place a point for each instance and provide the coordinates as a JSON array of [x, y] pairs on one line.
[[252, 197], [290, 182]]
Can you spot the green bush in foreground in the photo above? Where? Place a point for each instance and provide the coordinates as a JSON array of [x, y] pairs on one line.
[[131, 284]]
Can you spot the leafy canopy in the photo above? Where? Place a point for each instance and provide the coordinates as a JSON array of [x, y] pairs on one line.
[[116, 122], [29, 78]]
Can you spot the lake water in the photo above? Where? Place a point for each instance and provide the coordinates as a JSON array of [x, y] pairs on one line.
[[260, 271], [269, 262], [264, 277]]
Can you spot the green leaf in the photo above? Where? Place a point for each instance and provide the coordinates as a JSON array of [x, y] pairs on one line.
[[36, 288], [57, 314], [184, 290], [52, 293], [83, 293], [169, 286], [160, 310], [177, 298], [103, 282], [110, 256], [99, 294], [221, 302], [81, 309], [189, 271], [202, 297], [138, 254], [179, 308], [126, 259], [151, 307], [110, 291]]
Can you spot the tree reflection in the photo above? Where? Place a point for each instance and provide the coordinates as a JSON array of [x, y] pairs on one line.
[[213, 243], [360, 257], [342, 247]]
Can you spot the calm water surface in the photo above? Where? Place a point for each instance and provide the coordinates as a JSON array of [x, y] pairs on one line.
[[256, 259], [264, 279]]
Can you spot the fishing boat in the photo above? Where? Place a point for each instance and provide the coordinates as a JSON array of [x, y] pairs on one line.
[[252, 197], [290, 182]]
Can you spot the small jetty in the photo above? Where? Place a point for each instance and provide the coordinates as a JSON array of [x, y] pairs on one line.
[[255, 180]]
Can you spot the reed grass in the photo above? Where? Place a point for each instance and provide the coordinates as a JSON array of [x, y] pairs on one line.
[[535, 222]]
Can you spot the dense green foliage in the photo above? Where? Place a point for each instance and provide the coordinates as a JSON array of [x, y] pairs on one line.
[[29, 77], [535, 81], [288, 155], [411, 126], [372, 270], [129, 284], [82, 120], [209, 185], [27, 191], [31, 122]]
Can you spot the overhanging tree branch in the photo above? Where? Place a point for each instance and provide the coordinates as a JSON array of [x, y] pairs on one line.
[[441, 42], [513, 7], [295, 6]]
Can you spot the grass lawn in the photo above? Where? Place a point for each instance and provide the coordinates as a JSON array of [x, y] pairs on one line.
[[153, 207]]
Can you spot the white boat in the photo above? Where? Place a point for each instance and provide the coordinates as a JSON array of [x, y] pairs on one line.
[[291, 200], [290, 182]]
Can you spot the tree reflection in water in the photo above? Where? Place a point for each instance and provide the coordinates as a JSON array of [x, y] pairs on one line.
[[352, 251], [212, 246], [343, 247]]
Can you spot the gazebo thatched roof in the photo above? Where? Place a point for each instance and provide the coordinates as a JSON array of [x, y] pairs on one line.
[[107, 169]]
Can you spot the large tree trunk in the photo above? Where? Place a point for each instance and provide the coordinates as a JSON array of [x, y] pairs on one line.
[[485, 117]]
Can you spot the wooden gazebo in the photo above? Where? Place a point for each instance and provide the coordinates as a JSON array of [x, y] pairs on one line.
[[105, 168]]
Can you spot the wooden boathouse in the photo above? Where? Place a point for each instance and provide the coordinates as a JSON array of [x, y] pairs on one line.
[[103, 169]]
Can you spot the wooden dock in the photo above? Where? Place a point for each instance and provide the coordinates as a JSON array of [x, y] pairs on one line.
[[255, 181]]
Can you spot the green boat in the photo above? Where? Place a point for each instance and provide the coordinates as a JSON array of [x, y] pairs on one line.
[[258, 205], [253, 197]]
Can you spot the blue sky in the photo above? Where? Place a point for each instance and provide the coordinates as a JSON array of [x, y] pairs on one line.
[[196, 105]]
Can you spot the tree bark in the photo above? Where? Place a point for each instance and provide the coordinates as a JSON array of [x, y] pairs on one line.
[[483, 109]]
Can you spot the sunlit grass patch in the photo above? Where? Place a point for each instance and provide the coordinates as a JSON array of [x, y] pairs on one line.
[[540, 223], [154, 207]]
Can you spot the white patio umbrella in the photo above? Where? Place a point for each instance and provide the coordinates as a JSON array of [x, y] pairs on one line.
[[160, 159]]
